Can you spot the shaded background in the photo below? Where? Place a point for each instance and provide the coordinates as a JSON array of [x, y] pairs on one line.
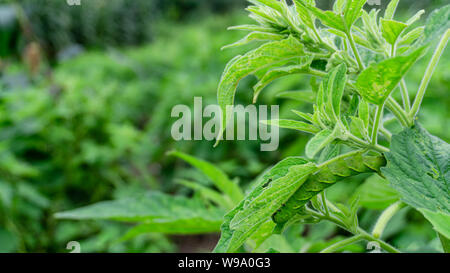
[[85, 99]]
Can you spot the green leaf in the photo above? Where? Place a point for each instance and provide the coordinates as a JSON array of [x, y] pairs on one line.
[[390, 10], [191, 226], [216, 175], [376, 193], [358, 128], [353, 10], [439, 220], [278, 72], [377, 81], [363, 112], [305, 16], [209, 194], [419, 169], [445, 242], [437, 23], [319, 141], [328, 18], [305, 116], [255, 36], [415, 18], [304, 96], [255, 60], [391, 30], [156, 210], [334, 85], [273, 190], [256, 28], [411, 36], [293, 124], [274, 4]]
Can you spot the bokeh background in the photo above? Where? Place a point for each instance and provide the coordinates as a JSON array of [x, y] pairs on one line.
[[86, 94]]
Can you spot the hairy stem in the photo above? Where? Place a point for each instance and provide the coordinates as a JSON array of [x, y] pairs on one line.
[[324, 202], [385, 217], [386, 133], [343, 243], [376, 124], [428, 74], [355, 51], [366, 144], [398, 112], [359, 231], [405, 96]]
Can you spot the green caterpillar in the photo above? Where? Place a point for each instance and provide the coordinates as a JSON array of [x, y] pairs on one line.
[[323, 178]]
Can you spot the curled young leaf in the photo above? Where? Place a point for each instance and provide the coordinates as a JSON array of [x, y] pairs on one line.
[[255, 60]]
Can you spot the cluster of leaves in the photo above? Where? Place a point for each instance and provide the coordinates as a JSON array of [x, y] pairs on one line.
[[359, 67], [355, 61]]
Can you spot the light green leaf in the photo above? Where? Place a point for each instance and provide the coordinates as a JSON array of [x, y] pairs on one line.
[[293, 124], [274, 4], [154, 207], [305, 116], [377, 81], [390, 10], [334, 84], [304, 14], [363, 112], [358, 128], [319, 141], [437, 23], [411, 36], [255, 36], [353, 11], [391, 30], [216, 175], [209, 194], [304, 96], [328, 18], [275, 188], [278, 72], [415, 18], [419, 169], [242, 66], [445, 242], [439, 220], [376, 193], [256, 28]]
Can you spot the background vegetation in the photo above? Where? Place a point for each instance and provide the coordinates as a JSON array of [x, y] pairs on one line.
[[85, 99]]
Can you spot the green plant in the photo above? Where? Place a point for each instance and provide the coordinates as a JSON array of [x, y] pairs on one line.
[[356, 63], [355, 68]]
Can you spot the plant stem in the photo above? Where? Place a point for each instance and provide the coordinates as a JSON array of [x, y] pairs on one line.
[[385, 217], [359, 231], [382, 243], [342, 244], [366, 144], [376, 124], [324, 202], [398, 112], [405, 96], [428, 74], [355, 51], [386, 133]]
